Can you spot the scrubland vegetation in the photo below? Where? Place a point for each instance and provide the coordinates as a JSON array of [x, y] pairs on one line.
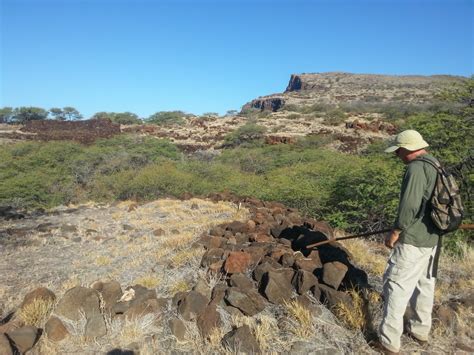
[[351, 192]]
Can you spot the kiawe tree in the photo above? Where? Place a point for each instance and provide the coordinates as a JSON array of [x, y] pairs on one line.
[[66, 113], [6, 114], [25, 114]]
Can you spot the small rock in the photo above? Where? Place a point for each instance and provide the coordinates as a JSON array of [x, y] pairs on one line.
[[333, 273], [276, 287], [95, 327], [67, 228], [178, 329], [241, 340], [332, 297], [250, 302], [55, 329], [237, 262], [111, 292], [203, 288], [241, 281], [127, 227], [192, 305], [158, 232], [208, 320], [218, 294], [303, 281], [5, 348], [211, 256], [141, 309]]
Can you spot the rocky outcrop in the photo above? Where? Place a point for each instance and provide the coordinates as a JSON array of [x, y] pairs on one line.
[[271, 104]]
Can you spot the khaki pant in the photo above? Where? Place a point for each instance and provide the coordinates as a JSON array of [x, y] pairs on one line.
[[407, 279]]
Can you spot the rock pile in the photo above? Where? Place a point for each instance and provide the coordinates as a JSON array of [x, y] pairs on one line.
[[259, 262]]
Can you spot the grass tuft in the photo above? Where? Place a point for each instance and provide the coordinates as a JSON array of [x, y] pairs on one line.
[[37, 312], [301, 319], [148, 281], [352, 317]]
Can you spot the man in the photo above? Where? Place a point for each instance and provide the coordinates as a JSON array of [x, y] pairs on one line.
[[409, 275]]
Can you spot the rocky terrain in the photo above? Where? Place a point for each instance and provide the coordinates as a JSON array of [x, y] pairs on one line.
[[222, 274], [337, 88]]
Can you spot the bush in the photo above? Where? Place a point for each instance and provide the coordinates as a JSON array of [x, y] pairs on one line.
[[248, 134], [167, 118], [334, 117]]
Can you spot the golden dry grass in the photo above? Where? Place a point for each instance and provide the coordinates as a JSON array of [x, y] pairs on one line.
[[179, 286], [369, 256], [103, 260], [301, 324], [148, 281], [186, 257], [36, 312], [352, 317]]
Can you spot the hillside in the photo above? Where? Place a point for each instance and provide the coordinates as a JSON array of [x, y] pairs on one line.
[[346, 88]]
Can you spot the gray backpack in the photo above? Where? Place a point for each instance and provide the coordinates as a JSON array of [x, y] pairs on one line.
[[447, 209]]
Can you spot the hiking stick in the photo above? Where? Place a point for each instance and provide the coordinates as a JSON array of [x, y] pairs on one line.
[[366, 234]]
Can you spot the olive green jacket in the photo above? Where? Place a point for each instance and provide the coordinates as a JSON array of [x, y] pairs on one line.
[[413, 217]]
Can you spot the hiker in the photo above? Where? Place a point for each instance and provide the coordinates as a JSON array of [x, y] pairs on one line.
[[409, 277]]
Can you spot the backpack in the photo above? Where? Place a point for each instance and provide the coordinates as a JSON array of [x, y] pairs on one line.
[[447, 209]]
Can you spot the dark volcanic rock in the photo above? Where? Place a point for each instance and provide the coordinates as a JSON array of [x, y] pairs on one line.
[[250, 302], [241, 340], [192, 305], [276, 286]]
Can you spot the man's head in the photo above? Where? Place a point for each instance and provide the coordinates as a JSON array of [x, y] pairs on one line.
[[408, 145]]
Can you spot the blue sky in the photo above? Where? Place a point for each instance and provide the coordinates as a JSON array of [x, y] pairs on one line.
[[201, 56]]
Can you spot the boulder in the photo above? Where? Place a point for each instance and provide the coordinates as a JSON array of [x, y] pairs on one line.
[[192, 305], [55, 329], [241, 340], [208, 320], [250, 302], [25, 338], [76, 300], [40, 293], [333, 273], [237, 262], [276, 286]]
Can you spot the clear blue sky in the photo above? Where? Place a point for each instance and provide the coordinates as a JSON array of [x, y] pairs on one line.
[[200, 56]]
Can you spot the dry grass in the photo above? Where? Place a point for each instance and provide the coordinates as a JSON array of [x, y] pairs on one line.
[[37, 312], [148, 281], [352, 317], [179, 286], [103, 260], [186, 257], [370, 256], [301, 319]]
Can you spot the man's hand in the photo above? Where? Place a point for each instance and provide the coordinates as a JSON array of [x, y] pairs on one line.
[[392, 238]]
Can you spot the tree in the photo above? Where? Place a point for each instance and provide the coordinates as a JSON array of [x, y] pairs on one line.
[[71, 113], [118, 117], [232, 113], [66, 113], [6, 114], [24, 114]]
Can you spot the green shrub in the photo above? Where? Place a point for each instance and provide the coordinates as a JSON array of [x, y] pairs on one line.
[[248, 134], [167, 118], [334, 117]]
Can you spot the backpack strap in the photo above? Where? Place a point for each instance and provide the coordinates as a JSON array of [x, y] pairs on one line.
[[435, 164]]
